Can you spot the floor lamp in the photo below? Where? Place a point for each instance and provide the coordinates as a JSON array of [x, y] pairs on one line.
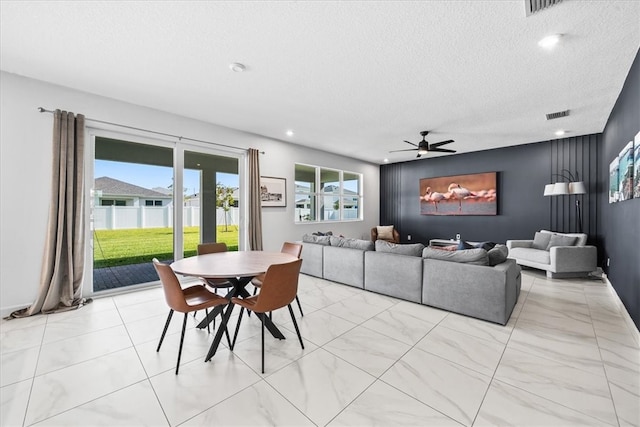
[[574, 186]]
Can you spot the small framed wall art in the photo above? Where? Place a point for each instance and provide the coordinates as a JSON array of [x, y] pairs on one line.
[[273, 191]]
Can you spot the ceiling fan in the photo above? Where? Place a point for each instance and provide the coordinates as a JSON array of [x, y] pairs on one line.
[[423, 147]]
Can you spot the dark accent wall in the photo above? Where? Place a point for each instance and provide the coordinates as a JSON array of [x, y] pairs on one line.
[[523, 171], [621, 221], [522, 209], [580, 157]]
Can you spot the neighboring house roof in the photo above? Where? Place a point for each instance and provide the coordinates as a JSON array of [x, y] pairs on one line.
[[165, 191], [331, 189], [111, 186]]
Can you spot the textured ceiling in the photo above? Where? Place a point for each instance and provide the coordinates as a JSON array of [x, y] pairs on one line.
[[355, 78]]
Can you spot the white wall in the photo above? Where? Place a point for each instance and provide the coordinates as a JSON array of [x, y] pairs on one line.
[[25, 174]]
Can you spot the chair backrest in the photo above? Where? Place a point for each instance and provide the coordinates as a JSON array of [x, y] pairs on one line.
[[294, 249], [211, 248], [172, 289], [279, 287]]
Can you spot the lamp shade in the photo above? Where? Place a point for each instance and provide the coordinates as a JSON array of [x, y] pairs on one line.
[[577, 188], [560, 188], [548, 189]]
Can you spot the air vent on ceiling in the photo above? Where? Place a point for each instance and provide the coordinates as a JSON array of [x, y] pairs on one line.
[[557, 115], [533, 6]]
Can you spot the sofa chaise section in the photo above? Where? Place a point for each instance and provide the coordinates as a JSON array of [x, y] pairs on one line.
[[343, 265], [394, 275], [312, 259], [484, 292]]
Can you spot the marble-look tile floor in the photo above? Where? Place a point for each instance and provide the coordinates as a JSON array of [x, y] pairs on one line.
[[567, 357]]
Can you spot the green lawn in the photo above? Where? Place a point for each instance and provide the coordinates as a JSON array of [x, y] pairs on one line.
[[138, 245]]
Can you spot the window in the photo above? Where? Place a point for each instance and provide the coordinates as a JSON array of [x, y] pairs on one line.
[[325, 195], [111, 202], [153, 202]]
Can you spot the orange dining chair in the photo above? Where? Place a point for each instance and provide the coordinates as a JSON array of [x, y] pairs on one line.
[[185, 301], [279, 289], [294, 249], [212, 248]]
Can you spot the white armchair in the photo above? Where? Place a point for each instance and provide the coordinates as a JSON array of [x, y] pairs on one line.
[[561, 255]]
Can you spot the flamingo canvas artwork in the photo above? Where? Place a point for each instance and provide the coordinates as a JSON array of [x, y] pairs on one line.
[[473, 194]]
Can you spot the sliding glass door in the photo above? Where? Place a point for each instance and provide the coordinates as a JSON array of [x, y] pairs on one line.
[[156, 199], [211, 201]]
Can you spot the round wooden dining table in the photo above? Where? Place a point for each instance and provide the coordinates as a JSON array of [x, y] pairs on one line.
[[227, 265], [238, 268]]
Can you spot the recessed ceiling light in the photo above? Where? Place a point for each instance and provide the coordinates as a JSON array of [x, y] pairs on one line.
[[289, 132], [560, 132], [550, 41], [386, 160], [237, 67]]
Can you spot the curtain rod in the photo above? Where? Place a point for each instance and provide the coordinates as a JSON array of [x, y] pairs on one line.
[[180, 138]]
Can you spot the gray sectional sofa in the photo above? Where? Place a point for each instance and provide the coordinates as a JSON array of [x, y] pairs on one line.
[[462, 282]]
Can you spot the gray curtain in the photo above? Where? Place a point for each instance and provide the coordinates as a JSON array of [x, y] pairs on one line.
[[255, 206], [63, 261]]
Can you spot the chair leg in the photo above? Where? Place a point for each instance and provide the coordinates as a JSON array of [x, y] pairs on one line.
[[255, 291], [299, 306], [295, 324], [226, 330], [222, 329], [164, 331], [262, 343], [233, 343], [206, 314], [184, 326]]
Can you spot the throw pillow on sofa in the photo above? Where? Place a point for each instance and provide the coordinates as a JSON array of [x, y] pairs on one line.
[[541, 240], [450, 248], [561, 240], [487, 246], [320, 240], [466, 256], [464, 245], [343, 242], [498, 254], [385, 232], [414, 249]]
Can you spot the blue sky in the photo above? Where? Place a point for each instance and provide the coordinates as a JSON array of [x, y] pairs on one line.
[[155, 176]]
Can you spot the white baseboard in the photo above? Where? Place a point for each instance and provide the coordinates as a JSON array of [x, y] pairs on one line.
[[625, 314]]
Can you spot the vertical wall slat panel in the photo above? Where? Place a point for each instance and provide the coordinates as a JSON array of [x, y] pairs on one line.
[[390, 180], [577, 155]]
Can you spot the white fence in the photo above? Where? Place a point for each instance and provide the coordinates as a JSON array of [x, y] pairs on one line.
[[121, 217]]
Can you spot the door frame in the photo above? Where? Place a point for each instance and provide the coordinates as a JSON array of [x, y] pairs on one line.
[[179, 147]]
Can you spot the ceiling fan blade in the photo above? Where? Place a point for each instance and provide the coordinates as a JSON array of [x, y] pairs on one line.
[[442, 150], [415, 145], [408, 149], [438, 144]]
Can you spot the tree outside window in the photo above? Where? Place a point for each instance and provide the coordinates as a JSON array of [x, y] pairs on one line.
[[224, 200]]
